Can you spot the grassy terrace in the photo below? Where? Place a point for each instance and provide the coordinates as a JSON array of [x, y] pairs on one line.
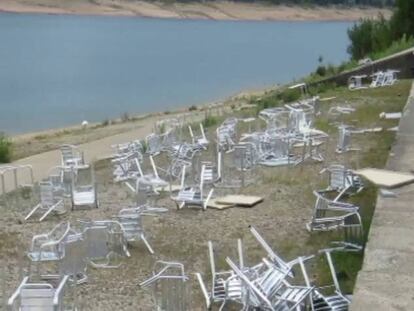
[[183, 235], [375, 147]]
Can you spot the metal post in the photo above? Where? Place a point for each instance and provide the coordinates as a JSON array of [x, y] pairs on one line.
[[332, 268], [240, 251], [16, 184], [3, 285], [242, 168], [3, 184]]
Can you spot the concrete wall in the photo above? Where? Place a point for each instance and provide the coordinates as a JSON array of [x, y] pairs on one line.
[[386, 280], [403, 61]]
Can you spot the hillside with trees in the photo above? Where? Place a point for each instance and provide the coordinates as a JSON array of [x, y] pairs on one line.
[[375, 36]]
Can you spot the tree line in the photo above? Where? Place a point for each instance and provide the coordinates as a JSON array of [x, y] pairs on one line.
[[373, 36]]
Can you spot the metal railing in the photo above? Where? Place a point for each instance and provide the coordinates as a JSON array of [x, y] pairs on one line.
[[14, 176]]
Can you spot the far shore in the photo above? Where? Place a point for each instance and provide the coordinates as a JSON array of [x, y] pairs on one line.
[[214, 10]]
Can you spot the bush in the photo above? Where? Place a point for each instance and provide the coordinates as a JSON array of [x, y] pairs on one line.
[[125, 117], [105, 122], [290, 95], [374, 36], [192, 108], [5, 149], [321, 70], [210, 121]]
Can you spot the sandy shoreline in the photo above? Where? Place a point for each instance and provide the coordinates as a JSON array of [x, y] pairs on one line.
[[39, 141], [217, 10]]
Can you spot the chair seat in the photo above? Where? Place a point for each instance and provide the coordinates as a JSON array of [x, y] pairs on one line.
[[84, 197], [43, 256]]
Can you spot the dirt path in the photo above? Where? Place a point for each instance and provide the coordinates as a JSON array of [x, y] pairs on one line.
[[94, 150], [219, 10]]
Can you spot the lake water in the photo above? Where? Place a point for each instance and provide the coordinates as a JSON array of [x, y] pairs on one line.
[[59, 70]]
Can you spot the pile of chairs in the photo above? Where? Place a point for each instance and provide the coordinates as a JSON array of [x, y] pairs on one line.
[[384, 78], [331, 214], [73, 179], [378, 79], [271, 284], [288, 128], [226, 135]]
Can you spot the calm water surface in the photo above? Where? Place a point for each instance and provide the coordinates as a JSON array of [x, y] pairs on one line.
[[59, 70]]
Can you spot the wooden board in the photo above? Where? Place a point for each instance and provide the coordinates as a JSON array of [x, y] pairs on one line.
[[240, 200], [214, 204], [386, 178]]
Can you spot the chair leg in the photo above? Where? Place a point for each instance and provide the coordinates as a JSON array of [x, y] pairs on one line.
[[47, 212], [33, 211], [147, 244]]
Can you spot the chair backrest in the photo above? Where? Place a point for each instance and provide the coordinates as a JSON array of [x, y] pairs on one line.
[[83, 177], [47, 197], [169, 286], [96, 239], [74, 262], [337, 177], [37, 297], [344, 139], [208, 175], [102, 237], [321, 205], [131, 224], [353, 229], [69, 153], [154, 144]]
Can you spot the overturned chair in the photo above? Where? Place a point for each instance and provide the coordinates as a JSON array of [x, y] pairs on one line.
[[329, 214], [71, 156], [342, 180], [84, 192], [105, 242], [344, 217], [170, 286], [201, 141], [193, 195], [269, 290], [131, 222], [327, 297], [63, 246], [49, 202], [50, 246], [126, 167], [225, 285]]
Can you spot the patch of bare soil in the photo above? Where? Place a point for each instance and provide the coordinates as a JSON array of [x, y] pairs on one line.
[[217, 10]]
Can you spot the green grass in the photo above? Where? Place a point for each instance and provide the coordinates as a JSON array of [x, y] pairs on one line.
[[397, 46], [369, 104], [210, 121]]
